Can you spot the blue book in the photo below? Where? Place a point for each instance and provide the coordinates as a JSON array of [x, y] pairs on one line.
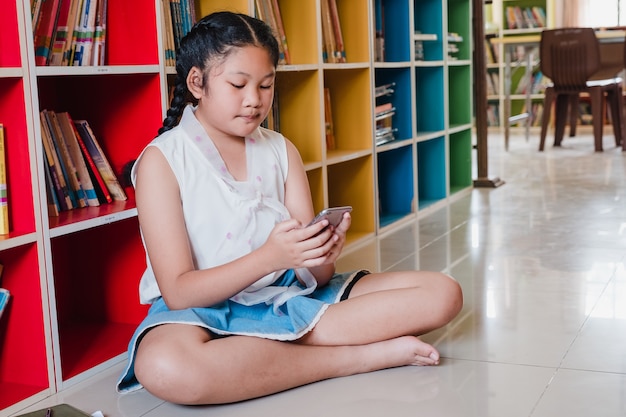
[[4, 299]]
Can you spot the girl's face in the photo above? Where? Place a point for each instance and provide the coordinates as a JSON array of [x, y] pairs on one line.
[[239, 93]]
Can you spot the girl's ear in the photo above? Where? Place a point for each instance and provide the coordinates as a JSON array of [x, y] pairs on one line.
[[194, 82]]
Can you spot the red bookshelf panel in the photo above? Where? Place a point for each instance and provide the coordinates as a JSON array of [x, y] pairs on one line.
[[124, 111], [23, 364], [97, 275], [9, 38], [132, 33], [19, 187]]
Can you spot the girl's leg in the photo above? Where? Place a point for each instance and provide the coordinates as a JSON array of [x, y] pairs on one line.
[[367, 332], [386, 305], [179, 363]]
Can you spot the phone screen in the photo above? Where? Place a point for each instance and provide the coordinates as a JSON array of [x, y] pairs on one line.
[[333, 214]]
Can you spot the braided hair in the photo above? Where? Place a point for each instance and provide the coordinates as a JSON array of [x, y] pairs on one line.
[[208, 43]]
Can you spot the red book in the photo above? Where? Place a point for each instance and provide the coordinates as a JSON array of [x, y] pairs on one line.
[[101, 189], [45, 31]]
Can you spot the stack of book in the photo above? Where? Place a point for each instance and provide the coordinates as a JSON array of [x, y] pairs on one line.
[[269, 12], [69, 32], [419, 38], [180, 16], [78, 172], [383, 114], [525, 18], [453, 49], [333, 46]]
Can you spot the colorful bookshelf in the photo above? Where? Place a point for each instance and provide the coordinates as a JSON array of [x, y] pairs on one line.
[[61, 328]]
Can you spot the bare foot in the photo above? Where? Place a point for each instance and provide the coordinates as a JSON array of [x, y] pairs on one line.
[[417, 352]]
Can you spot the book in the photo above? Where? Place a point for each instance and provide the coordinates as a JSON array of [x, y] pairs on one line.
[[328, 121], [327, 33], [340, 50], [379, 27], [84, 42], [168, 33], [102, 163], [73, 25], [59, 410], [63, 147], [61, 34], [282, 37], [51, 197], [4, 199], [270, 14], [5, 295], [104, 196], [99, 37], [67, 165], [43, 33], [69, 134], [60, 186]]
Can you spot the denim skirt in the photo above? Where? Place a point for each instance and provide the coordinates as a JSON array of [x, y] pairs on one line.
[[290, 321]]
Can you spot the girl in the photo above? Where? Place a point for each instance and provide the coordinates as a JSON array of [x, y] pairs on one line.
[[244, 298]]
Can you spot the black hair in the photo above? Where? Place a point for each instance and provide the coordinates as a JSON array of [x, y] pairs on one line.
[[208, 43]]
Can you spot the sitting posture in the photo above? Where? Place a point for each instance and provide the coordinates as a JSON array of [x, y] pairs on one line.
[[245, 299]]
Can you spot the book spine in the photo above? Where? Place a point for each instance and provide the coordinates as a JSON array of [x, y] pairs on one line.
[[91, 164], [4, 202], [102, 163], [55, 173], [282, 36]]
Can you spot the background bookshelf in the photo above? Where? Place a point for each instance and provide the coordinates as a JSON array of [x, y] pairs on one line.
[[75, 277], [502, 25]]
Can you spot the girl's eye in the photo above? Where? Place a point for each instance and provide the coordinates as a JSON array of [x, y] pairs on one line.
[[266, 87], [238, 86]]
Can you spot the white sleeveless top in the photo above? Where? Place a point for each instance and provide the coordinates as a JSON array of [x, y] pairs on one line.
[[226, 218]]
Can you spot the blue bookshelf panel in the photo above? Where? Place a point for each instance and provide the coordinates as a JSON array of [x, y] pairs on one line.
[[400, 99], [428, 18], [429, 99], [460, 99], [395, 184], [431, 171], [460, 160], [392, 16]]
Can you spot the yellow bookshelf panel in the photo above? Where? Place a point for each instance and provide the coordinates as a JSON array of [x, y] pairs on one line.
[[316, 183], [355, 28], [204, 7], [301, 33], [300, 117]]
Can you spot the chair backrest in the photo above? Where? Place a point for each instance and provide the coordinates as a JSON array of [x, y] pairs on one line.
[[569, 57]]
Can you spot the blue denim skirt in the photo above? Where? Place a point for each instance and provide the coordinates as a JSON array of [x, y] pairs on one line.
[[290, 321]]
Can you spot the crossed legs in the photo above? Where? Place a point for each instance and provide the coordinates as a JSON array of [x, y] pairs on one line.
[[373, 329]]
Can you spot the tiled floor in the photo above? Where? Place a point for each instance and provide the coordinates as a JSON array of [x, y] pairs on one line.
[[543, 330]]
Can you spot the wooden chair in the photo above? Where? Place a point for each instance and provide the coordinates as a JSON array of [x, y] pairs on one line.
[[570, 57]]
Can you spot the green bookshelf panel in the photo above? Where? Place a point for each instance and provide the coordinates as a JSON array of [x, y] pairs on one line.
[[429, 99], [395, 184], [460, 160], [431, 171], [458, 22], [459, 93]]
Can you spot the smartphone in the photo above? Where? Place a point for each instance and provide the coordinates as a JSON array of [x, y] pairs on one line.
[[333, 214]]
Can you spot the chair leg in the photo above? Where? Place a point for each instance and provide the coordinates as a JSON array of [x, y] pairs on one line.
[[545, 117], [597, 104], [573, 114], [614, 97], [561, 112]]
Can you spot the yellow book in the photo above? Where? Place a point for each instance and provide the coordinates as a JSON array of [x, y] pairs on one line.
[[4, 202]]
